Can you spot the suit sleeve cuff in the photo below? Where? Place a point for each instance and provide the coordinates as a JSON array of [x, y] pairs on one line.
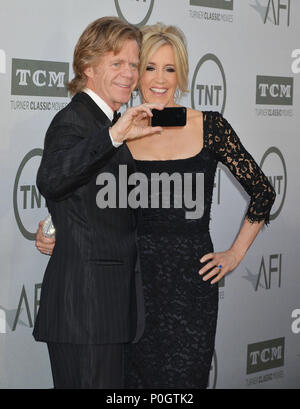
[[115, 144]]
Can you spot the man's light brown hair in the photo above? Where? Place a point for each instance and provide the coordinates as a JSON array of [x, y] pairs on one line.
[[101, 36]]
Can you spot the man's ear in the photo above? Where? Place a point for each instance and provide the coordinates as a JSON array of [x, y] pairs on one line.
[[89, 72]]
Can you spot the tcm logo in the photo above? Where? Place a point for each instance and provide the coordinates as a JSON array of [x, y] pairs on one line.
[[274, 90], [208, 91], [274, 11], [265, 355], [135, 12], [296, 62], [274, 167], [26, 197], [217, 4], [2, 62], [296, 323], [39, 78]]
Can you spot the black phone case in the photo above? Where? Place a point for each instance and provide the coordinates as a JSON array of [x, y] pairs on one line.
[[175, 116]]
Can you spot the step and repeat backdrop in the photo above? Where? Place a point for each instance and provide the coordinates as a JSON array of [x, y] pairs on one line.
[[244, 62]]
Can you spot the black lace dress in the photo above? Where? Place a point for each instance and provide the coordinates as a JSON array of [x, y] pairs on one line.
[[181, 309]]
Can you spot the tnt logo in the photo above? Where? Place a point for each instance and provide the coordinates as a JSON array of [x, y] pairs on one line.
[[136, 12], [208, 91], [273, 165], [27, 199]]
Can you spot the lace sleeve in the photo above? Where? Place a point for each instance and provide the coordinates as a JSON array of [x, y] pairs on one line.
[[230, 151]]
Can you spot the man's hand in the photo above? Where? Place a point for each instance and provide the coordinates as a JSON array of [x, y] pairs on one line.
[[44, 244], [134, 123]]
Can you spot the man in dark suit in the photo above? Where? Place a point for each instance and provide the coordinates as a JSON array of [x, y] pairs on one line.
[[91, 298]]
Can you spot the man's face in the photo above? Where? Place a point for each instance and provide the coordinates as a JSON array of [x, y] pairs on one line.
[[115, 76]]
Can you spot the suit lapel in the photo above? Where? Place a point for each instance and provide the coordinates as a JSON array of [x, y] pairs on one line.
[[97, 113]]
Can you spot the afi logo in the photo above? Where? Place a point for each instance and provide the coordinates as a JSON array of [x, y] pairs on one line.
[[23, 301], [276, 9], [265, 273], [22, 316]]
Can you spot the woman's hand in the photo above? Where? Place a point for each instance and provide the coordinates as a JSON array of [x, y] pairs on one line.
[[221, 263], [132, 123], [44, 244]]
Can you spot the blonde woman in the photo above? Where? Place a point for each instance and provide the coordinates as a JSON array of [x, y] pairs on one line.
[[179, 269]]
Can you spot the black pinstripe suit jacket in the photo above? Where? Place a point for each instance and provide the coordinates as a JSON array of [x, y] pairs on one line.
[[91, 292]]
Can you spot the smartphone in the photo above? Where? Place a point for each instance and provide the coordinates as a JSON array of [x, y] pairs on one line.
[[174, 116]]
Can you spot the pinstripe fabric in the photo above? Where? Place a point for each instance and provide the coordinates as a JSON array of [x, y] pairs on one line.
[[90, 287], [86, 366]]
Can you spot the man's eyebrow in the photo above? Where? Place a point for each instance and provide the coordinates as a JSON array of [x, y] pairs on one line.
[[122, 60]]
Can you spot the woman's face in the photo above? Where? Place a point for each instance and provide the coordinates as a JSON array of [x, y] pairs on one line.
[[159, 81]]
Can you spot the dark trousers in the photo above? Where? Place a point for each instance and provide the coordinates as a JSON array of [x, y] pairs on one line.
[[86, 366]]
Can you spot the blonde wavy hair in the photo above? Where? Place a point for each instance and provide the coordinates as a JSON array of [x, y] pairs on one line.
[[101, 36], [157, 35]]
